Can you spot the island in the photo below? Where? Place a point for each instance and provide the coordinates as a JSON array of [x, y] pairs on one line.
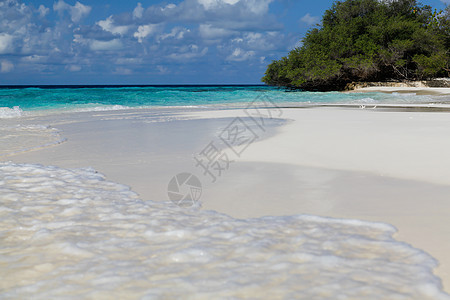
[[363, 41]]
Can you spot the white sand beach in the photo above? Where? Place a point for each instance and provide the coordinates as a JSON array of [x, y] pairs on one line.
[[372, 164], [416, 90], [364, 164]]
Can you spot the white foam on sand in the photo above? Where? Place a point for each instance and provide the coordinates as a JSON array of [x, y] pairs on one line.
[[20, 138], [100, 108], [8, 113], [72, 234]]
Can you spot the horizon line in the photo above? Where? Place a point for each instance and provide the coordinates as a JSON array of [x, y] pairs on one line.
[[125, 85]]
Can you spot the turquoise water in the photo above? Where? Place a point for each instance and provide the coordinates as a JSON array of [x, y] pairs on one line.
[[43, 98]]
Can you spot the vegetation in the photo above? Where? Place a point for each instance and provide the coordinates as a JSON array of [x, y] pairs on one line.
[[368, 40]]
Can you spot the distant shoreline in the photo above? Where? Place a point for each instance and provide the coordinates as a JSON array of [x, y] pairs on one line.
[[417, 90], [439, 86]]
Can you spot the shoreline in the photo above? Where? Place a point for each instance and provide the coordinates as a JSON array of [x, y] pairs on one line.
[[314, 156], [433, 91]]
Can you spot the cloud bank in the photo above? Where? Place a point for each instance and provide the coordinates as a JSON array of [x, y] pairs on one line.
[[162, 38]]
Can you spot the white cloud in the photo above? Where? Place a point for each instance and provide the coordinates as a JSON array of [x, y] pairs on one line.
[[207, 31], [138, 11], [162, 69], [43, 11], [240, 55], [254, 43], [187, 53], [35, 58], [23, 32], [211, 4], [32, 39], [145, 30], [111, 45], [60, 6], [176, 33], [227, 14], [169, 6], [258, 7], [310, 20], [258, 41], [6, 66], [108, 25], [129, 61], [6, 43], [77, 12]]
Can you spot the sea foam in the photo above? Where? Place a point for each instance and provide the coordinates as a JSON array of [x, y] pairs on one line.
[[72, 234], [8, 113], [20, 138]]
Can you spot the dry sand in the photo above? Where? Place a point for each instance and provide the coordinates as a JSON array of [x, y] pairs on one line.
[[416, 90], [376, 165], [386, 166]]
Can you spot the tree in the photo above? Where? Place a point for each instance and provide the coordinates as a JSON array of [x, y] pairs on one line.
[[367, 40]]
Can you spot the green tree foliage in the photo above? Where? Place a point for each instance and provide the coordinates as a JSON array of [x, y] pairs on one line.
[[368, 40]]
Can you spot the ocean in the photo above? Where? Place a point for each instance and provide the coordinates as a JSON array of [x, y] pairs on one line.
[[15, 99], [71, 233]]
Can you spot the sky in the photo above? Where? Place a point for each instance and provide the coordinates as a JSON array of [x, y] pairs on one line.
[[150, 42]]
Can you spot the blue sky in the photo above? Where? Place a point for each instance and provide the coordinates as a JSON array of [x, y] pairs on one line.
[[150, 42]]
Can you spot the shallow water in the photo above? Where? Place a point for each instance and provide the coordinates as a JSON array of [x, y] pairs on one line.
[[72, 234], [14, 102]]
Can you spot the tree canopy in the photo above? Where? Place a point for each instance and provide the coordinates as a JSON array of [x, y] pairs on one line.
[[368, 40]]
